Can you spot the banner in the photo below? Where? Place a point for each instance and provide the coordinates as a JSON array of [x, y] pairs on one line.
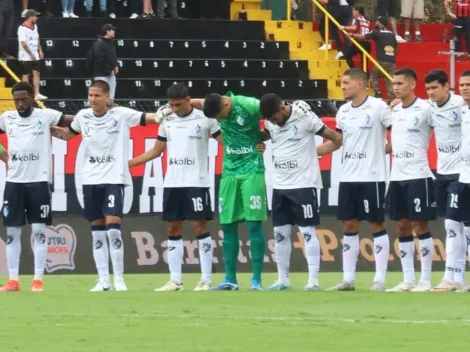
[[145, 247], [145, 195]]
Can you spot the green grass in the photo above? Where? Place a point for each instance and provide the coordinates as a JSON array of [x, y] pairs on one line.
[[68, 318]]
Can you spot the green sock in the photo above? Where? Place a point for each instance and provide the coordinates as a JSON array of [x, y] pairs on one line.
[[231, 249], [257, 247]]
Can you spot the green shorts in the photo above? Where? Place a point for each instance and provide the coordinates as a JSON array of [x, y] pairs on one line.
[[242, 198]]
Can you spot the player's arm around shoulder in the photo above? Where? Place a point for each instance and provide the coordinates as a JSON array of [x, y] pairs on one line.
[[155, 151], [335, 138], [67, 126]]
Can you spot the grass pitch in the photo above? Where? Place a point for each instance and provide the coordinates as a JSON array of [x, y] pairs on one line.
[[68, 318]]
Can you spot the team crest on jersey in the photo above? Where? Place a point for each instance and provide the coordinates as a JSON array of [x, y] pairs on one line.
[[240, 120], [113, 126], [197, 128], [39, 125], [61, 244], [454, 116]]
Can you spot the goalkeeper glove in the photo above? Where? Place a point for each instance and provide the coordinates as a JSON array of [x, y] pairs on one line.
[[162, 112]]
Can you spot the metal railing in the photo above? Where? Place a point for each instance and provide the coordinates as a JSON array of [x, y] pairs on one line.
[[329, 17], [16, 79]]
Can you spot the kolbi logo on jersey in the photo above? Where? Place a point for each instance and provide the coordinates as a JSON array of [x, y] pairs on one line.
[[286, 165], [24, 157], [448, 149], [101, 159], [356, 155], [181, 161], [404, 155], [239, 150]]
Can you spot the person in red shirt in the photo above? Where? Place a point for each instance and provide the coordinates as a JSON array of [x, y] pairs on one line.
[[461, 16], [359, 25]]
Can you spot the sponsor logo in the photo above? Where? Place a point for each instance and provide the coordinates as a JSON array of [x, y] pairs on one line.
[[404, 155], [448, 149], [452, 233], [286, 165], [279, 237], [378, 249], [101, 159], [346, 247], [26, 157], [181, 161], [61, 244], [356, 155], [238, 151]]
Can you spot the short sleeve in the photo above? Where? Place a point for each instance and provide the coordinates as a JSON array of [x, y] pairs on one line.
[[162, 135], [3, 126], [386, 116], [339, 121], [54, 117], [75, 127], [213, 126], [132, 117], [268, 126], [429, 118], [251, 105], [21, 34]]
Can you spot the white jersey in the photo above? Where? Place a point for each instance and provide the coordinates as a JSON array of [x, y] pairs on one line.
[[187, 143], [294, 151], [29, 144], [364, 129], [447, 127], [411, 133], [106, 144], [31, 37], [465, 148]]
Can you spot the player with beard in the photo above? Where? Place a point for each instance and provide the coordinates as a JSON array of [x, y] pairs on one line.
[[363, 122], [297, 178], [412, 200], [27, 194], [185, 134], [105, 138]]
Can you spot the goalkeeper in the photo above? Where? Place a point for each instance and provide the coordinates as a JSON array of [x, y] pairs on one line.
[[242, 192]]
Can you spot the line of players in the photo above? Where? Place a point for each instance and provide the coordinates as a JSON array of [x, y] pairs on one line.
[[361, 122]]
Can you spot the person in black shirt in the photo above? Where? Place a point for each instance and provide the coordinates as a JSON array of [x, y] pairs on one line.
[[386, 51]]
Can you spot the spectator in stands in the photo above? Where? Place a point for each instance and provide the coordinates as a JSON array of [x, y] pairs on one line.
[[172, 9], [461, 16], [7, 17], [335, 10], [386, 50], [102, 59], [30, 51], [45, 5], [67, 8], [412, 9], [147, 9], [389, 8], [359, 25], [103, 8]]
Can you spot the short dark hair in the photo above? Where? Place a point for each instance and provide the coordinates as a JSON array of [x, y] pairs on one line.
[[103, 85], [270, 104], [212, 105], [357, 74], [177, 91], [22, 86], [438, 76], [361, 10], [407, 72], [465, 74]]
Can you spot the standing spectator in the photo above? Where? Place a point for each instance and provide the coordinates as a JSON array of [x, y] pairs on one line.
[[335, 10], [89, 8], [30, 51], [461, 17], [389, 8], [102, 59], [386, 54], [7, 17], [147, 9], [412, 9], [67, 8], [360, 25], [172, 9]]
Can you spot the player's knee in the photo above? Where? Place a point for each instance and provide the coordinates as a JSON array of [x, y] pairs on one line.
[[403, 227], [175, 228], [350, 226], [98, 222], [376, 226], [254, 227], [420, 227], [199, 227]]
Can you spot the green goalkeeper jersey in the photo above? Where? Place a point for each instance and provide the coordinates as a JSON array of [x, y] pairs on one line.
[[241, 134]]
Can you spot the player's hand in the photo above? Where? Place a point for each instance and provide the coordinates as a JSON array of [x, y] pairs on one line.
[[452, 15], [33, 57], [41, 55], [162, 112], [261, 147], [394, 103]]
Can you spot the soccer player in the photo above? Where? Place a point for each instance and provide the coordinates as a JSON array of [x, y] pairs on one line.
[[242, 194], [363, 122], [27, 194], [296, 180], [185, 134], [464, 179], [412, 200], [445, 111], [105, 173]]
